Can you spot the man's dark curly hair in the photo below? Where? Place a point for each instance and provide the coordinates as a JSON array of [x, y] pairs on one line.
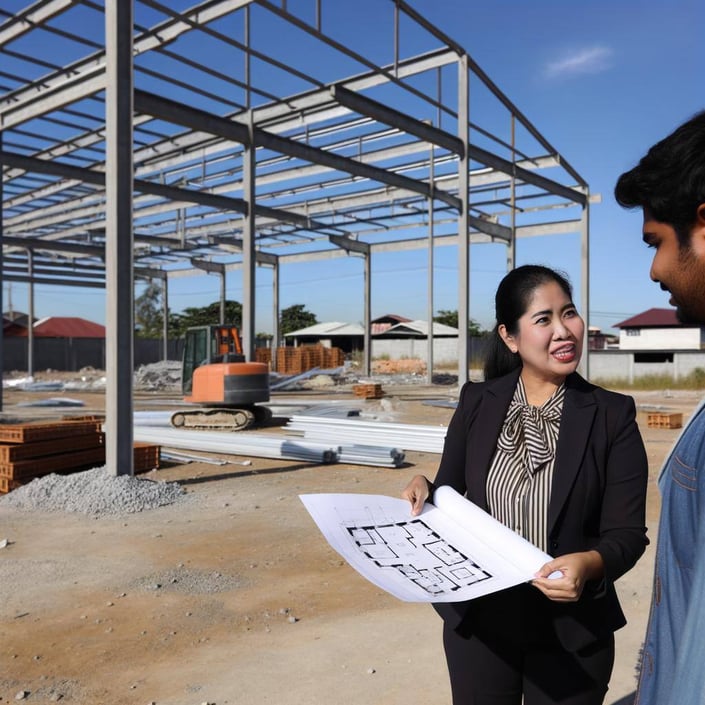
[[669, 181]]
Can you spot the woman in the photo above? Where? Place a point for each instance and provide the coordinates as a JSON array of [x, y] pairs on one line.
[[561, 462]]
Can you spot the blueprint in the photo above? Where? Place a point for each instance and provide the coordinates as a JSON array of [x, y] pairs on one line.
[[452, 551]]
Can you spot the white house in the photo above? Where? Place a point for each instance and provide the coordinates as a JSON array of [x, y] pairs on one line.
[[403, 339], [410, 339], [659, 329], [349, 337]]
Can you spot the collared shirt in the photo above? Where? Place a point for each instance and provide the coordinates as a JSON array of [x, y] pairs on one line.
[[520, 475]]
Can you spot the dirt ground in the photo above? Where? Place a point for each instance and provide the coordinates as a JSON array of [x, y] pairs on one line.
[[113, 611]]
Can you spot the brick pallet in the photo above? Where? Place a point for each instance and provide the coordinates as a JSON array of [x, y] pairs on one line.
[[368, 391], [294, 361], [32, 450], [658, 420]]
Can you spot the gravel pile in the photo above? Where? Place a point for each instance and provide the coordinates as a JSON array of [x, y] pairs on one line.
[[95, 492], [182, 579]]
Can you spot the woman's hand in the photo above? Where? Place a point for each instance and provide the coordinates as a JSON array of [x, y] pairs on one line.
[[417, 492], [575, 569]]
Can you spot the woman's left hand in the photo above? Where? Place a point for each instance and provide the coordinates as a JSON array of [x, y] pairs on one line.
[[574, 569]]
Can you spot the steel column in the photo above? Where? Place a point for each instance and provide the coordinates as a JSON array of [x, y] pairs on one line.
[[249, 163], [463, 220], [584, 367], [30, 313], [2, 269], [429, 285], [119, 238], [275, 309], [366, 323], [512, 244], [165, 315]]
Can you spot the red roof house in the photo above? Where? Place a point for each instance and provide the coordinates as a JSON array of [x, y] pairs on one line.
[[652, 318], [659, 329], [65, 327], [383, 323]]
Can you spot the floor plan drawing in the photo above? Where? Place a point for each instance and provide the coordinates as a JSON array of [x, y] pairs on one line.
[[452, 551], [419, 554]]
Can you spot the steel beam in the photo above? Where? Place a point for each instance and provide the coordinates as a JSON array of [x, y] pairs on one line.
[[26, 20], [350, 245], [395, 118], [174, 112]]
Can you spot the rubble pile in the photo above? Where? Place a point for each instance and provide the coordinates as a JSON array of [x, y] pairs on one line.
[[159, 376]]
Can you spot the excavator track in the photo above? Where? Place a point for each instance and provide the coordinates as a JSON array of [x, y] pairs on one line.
[[221, 419], [214, 419]]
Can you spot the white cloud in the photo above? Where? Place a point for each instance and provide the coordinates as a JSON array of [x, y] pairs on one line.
[[582, 61]]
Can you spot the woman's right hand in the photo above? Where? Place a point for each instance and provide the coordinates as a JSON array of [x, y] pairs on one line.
[[417, 492]]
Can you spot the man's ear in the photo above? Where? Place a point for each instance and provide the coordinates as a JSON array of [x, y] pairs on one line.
[[506, 337], [697, 233], [700, 215]]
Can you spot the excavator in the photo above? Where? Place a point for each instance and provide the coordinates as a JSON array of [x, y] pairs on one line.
[[216, 377]]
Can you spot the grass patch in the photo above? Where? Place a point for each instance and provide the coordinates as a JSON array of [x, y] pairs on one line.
[[650, 383]]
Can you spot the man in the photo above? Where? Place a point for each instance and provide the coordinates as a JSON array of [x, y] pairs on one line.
[[668, 185]]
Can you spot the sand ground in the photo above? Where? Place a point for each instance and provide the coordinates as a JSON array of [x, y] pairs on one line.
[[234, 596]]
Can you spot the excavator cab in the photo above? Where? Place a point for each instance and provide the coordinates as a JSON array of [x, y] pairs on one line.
[[215, 374], [208, 345]]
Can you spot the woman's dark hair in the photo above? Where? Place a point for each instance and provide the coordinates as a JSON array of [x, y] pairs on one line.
[[669, 181], [511, 301]]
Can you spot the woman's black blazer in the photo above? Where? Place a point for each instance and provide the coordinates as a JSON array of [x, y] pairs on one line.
[[598, 496]]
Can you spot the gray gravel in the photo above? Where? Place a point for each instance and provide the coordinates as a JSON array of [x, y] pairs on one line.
[[189, 580], [95, 492]]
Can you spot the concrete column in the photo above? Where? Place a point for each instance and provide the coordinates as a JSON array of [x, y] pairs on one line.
[[119, 237]]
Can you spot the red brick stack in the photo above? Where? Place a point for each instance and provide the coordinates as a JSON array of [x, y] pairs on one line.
[[30, 450]]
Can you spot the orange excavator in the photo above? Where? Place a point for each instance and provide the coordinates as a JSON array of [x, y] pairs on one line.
[[216, 377]]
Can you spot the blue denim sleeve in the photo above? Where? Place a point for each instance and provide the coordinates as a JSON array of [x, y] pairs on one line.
[[688, 681]]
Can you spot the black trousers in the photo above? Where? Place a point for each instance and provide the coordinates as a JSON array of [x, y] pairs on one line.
[[498, 658]]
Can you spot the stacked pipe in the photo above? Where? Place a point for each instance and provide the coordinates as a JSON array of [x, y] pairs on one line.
[[371, 433], [261, 446], [370, 455], [239, 444]]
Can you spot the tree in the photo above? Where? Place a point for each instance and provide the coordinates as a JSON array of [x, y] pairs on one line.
[[450, 318], [447, 318], [206, 316], [148, 312], [295, 317]]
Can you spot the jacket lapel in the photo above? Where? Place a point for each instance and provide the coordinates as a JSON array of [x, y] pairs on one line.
[[576, 424], [484, 432]]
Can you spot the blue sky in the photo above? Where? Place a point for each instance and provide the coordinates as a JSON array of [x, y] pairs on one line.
[[601, 80]]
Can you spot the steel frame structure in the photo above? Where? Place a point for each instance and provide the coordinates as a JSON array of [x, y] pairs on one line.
[[141, 138]]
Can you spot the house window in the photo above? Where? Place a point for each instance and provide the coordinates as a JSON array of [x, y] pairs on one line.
[[633, 331]]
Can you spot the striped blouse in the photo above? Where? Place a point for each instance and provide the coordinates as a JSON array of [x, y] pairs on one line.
[[520, 475]]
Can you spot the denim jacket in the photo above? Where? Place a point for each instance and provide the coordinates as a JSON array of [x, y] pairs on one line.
[[672, 668]]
